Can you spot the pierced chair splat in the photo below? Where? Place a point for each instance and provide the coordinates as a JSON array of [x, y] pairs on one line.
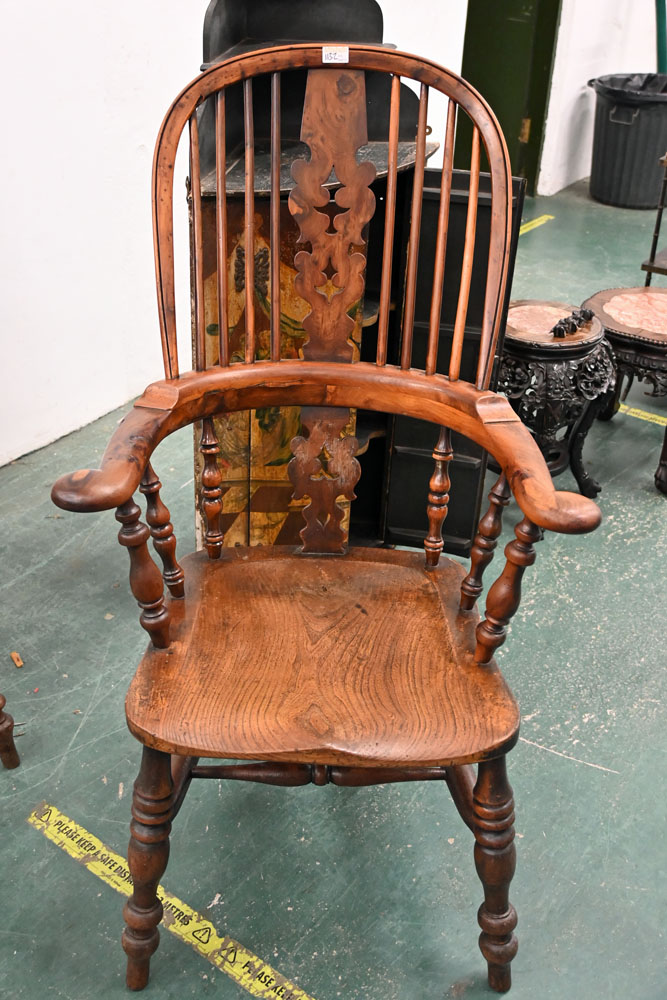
[[382, 670]]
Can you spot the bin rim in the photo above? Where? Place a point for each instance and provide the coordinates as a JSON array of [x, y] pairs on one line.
[[616, 91]]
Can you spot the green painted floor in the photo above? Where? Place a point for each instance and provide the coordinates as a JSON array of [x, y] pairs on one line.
[[365, 894]]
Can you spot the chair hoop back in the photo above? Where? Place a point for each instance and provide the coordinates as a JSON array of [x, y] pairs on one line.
[[334, 135]]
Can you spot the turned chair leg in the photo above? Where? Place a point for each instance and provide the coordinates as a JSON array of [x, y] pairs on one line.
[[8, 754], [495, 859], [148, 853]]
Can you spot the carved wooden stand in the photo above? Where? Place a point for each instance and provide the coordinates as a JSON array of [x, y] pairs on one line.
[[640, 349], [556, 385]]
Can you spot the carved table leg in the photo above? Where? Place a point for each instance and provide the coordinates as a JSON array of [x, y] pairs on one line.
[[611, 400], [588, 486], [661, 471], [495, 860], [148, 853], [8, 754]]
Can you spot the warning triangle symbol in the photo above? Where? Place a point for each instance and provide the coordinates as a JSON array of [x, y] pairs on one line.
[[203, 935], [46, 815], [230, 955]]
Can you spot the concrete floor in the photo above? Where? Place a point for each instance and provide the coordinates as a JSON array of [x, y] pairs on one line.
[[367, 893]]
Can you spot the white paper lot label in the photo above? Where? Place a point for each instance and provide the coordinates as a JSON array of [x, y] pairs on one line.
[[335, 53]]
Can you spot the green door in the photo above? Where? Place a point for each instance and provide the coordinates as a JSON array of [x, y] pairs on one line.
[[508, 55]]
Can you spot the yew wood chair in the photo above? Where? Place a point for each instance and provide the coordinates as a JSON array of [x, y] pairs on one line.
[[321, 664]]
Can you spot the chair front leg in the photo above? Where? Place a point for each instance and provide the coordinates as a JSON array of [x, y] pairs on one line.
[[495, 860], [148, 853]]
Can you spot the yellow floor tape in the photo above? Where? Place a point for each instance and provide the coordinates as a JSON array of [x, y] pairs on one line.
[[652, 418], [241, 965], [534, 223]]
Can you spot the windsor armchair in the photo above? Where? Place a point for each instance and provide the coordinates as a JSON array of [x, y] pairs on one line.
[[324, 665]]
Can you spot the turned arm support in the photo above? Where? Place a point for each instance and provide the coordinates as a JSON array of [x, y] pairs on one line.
[[504, 597], [145, 578], [126, 466], [485, 542]]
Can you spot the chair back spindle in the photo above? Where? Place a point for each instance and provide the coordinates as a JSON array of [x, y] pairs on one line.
[[198, 247], [389, 220], [468, 254], [221, 227], [441, 241], [249, 222], [211, 493], [274, 280], [438, 497], [415, 230]]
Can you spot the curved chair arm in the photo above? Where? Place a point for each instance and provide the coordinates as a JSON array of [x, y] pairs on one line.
[[121, 469], [484, 416], [515, 450]]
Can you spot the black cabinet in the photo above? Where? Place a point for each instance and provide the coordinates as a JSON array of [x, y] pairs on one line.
[[403, 456]]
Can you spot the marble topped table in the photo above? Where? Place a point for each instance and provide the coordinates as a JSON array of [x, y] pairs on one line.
[[556, 383], [635, 323]]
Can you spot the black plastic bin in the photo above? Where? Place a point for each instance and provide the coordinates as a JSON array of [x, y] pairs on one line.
[[630, 137]]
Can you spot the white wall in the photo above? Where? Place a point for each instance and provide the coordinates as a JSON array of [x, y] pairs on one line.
[[596, 37], [86, 85], [435, 30]]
